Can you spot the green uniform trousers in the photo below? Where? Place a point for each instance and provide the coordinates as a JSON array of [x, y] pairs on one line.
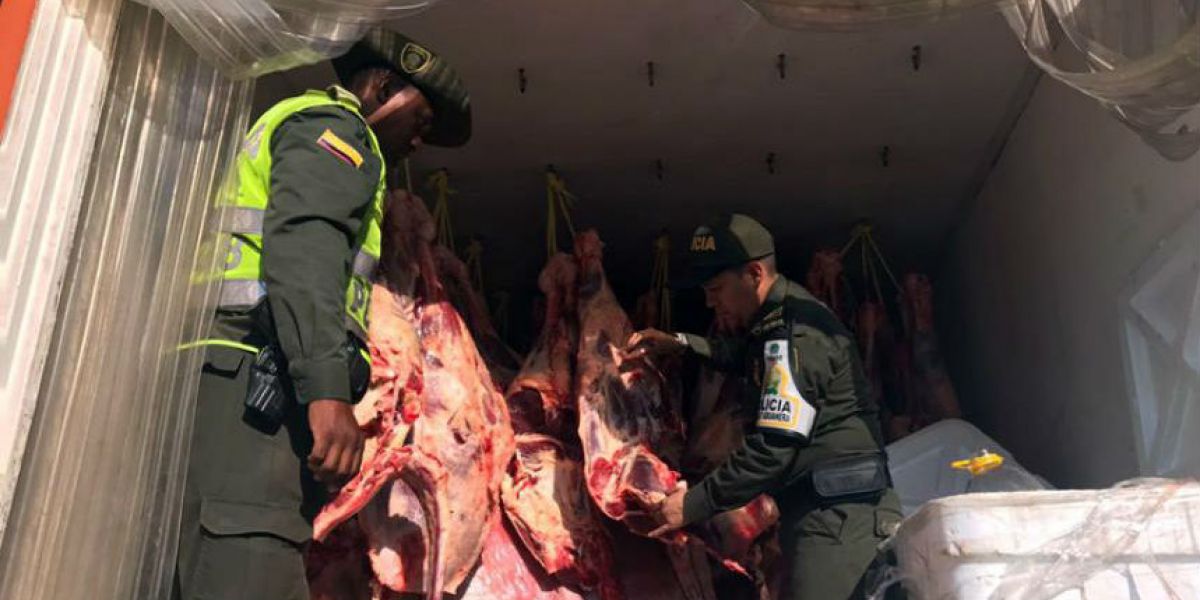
[[828, 551], [249, 498]]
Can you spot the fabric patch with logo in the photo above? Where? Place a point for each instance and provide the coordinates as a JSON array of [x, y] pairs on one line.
[[704, 243], [331, 143], [782, 409], [414, 58]]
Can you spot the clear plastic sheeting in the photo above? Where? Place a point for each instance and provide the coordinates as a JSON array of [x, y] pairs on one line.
[[249, 38], [1141, 60], [1139, 539], [1161, 314], [856, 15], [921, 471], [98, 498]]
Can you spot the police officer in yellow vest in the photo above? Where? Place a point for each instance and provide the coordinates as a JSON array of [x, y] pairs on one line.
[[274, 425]]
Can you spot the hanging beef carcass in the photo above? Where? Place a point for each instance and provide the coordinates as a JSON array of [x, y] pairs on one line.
[[881, 356], [824, 280], [412, 478], [934, 391], [544, 495], [540, 399], [625, 422], [502, 361], [548, 505], [427, 532]]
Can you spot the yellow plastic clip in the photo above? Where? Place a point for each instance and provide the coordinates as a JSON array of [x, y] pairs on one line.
[[986, 462]]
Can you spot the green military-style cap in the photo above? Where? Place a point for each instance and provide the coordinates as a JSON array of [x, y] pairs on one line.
[[725, 243], [424, 69]]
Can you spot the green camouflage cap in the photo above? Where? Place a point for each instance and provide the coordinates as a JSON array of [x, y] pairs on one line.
[[421, 67], [728, 242]]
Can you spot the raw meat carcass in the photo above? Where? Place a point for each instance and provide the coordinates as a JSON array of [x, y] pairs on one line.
[[824, 280], [655, 571], [544, 494], [448, 476], [337, 568], [874, 339], [505, 574], [548, 505], [540, 398], [717, 422], [625, 422], [935, 391], [502, 361]]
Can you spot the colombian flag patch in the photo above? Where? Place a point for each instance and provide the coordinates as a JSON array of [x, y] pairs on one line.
[[339, 148]]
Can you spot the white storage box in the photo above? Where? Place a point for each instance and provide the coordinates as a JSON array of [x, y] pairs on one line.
[[1137, 541]]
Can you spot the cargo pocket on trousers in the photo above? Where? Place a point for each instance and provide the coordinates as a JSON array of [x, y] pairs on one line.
[[248, 552], [823, 526], [226, 518]]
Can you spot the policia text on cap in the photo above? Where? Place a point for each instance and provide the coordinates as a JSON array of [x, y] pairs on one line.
[[274, 420], [815, 444]]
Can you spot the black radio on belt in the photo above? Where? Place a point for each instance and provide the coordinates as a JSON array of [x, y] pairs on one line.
[[266, 400]]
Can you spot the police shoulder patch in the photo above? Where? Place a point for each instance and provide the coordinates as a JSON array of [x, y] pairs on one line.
[[781, 408]]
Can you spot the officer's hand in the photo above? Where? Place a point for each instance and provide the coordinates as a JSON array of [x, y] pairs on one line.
[[337, 441], [670, 513], [652, 343]]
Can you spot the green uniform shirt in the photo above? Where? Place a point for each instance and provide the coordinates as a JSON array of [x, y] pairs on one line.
[[316, 208], [828, 374]]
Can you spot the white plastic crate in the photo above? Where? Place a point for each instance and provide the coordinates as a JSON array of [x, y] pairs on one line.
[[1136, 541]]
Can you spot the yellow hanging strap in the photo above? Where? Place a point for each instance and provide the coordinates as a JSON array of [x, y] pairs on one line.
[[474, 262], [439, 184], [986, 462], [659, 278], [559, 201], [872, 259]]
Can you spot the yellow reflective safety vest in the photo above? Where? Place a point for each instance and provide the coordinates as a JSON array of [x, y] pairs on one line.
[[242, 285]]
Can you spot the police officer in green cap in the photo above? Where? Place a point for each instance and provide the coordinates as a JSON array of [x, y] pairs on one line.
[[274, 429], [815, 445]]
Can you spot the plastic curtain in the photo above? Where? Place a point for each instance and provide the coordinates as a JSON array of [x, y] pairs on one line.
[[855, 15], [97, 503], [1141, 60], [1162, 355], [248, 38]]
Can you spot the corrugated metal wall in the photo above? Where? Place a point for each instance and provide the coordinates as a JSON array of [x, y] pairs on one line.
[[43, 159], [97, 502]]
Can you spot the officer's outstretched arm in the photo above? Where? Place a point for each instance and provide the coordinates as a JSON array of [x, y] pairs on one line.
[[753, 469], [723, 353], [767, 456]]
